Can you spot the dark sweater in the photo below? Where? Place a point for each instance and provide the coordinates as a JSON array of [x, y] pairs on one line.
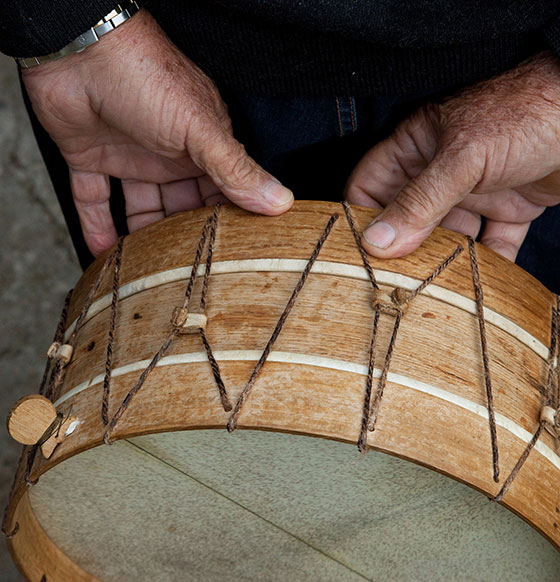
[[329, 47]]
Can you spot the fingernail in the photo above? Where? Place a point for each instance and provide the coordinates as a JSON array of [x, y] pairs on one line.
[[276, 194], [380, 234]]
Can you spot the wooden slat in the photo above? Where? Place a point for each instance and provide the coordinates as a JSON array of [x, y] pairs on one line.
[[170, 244]]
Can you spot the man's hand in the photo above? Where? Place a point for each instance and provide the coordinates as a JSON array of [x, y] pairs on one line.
[[134, 107], [492, 151]]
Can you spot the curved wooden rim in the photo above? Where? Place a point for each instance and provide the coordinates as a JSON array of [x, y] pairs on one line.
[[25, 547], [36, 555]]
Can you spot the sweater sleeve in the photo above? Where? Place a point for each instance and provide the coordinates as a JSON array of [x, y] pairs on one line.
[[552, 35], [30, 28]]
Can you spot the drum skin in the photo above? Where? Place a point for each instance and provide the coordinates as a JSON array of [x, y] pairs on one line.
[[433, 410]]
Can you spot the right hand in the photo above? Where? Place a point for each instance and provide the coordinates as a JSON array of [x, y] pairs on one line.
[[134, 107], [492, 151]]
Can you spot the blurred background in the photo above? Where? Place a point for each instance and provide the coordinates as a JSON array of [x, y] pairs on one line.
[[37, 267]]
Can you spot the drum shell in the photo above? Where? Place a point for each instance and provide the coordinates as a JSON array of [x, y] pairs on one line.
[[304, 395]]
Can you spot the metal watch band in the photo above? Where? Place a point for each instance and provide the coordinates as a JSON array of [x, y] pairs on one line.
[[115, 18]]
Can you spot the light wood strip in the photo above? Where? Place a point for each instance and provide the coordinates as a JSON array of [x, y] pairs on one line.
[[331, 364], [323, 268]]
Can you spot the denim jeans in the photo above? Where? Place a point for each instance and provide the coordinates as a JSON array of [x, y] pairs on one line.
[[311, 144]]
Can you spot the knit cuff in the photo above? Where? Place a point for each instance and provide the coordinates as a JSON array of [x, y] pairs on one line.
[[31, 28]]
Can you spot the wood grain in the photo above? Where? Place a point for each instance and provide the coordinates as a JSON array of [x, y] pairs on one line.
[[29, 418]]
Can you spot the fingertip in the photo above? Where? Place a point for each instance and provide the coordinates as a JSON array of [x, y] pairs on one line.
[[271, 199], [380, 234], [140, 220], [503, 248], [385, 240], [91, 194], [278, 197], [505, 238], [99, 243], [214, 199]]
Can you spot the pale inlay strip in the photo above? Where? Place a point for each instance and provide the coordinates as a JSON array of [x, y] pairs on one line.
[[332, 364], [323, 268]]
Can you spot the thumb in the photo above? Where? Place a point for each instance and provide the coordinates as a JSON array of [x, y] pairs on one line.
[[214, 149], [420, 205]]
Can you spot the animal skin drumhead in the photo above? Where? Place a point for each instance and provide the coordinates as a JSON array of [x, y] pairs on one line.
[[204, 505]]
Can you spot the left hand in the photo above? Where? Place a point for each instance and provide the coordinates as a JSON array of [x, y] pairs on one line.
[[134, 107], [492, 151]]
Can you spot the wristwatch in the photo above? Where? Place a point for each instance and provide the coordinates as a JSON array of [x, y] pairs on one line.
[[115, 18]]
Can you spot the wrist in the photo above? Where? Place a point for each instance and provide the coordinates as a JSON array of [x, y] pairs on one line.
[[114, 19]]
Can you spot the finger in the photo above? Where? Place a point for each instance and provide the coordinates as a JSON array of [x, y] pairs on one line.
[[180, 195], [215, 199], [391, 164], [143, 203], [543, 192], [236, 174], [362, 198], [507, 205], [462, 221], [91, 194], [209, 192], [505, 238], [145, 166], [421, 205]]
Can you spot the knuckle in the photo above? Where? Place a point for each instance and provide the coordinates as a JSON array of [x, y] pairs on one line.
[[415, 203], [463, 152], [519, 209], [241, 168], [419, 133]]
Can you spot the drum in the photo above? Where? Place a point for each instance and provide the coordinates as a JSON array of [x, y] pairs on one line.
[[239, 397]]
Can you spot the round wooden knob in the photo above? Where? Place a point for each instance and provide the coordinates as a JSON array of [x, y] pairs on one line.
[[29, 418]]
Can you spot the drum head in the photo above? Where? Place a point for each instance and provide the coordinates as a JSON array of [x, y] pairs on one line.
[[254, 505]]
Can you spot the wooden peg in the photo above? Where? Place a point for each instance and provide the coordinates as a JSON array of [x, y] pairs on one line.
[[393, 303], [33, 417], [400, 297], [188, 322], [384, 302], [62, 352], [382, 299], [67, 426], [548, 415], [53, 348]]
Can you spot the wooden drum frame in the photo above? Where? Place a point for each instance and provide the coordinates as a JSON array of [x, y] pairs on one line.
[[452, 362]]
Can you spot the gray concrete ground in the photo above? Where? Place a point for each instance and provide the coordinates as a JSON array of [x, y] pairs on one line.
[[37, 267]]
